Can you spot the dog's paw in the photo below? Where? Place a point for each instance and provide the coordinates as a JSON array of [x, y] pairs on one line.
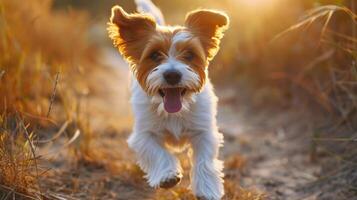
[[171, 181]]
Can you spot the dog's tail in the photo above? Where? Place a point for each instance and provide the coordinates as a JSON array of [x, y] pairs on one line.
[[148, 7]]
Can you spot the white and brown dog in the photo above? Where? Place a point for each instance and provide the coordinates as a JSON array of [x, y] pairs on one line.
[[173, 100]]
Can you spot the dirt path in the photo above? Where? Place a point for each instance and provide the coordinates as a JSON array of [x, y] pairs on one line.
[[276, 148]]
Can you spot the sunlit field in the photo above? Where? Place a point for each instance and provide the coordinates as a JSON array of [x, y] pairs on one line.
[[285, 75]]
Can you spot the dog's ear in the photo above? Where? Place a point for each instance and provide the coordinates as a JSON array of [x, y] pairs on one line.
[[209, 26], [130, 32]]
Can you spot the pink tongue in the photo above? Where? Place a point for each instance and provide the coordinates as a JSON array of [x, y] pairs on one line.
[[172, 100]]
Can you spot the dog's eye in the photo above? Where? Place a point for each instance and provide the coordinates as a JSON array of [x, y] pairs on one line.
[[189, 56], [155, 56]]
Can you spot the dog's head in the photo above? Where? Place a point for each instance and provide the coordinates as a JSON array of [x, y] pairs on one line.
[[168, 62]]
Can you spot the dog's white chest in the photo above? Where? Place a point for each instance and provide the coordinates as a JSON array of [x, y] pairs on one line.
[[174, 125]]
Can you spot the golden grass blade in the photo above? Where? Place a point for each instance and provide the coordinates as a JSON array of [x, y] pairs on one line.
[[60, 196], [38, 117], [75, 136], [28, 138], [320, 9], [337, 45], [346, 37], [18, 193], [2, 73], [59, 133], [329, 15], [294, 27], [315, 14], [305, 22], [53, 95]]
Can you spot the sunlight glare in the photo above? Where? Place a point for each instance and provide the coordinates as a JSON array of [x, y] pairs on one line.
[[257, 3]]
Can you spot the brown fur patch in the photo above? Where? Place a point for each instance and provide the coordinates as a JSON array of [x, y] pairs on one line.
[[130, 32], [199, 61], [160, 43], [209, 26]]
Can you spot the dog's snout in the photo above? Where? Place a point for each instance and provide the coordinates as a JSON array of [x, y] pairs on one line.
[[172, 76]]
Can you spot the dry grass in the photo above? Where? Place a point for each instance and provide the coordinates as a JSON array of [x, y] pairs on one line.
[[39, 70], [336, 92], [19, 170], [235, 192], [331, 80], [36, 44]]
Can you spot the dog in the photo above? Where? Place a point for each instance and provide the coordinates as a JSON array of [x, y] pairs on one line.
[[173, 100]]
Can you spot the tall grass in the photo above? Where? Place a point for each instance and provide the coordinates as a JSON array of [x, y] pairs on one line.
[[37, 43], [330, 79], [324, 77], [19, 169], [44, 55]]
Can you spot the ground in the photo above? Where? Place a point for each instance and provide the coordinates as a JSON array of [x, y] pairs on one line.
[[276, 149]]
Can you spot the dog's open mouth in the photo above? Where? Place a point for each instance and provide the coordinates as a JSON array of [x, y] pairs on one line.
[[172, 98]]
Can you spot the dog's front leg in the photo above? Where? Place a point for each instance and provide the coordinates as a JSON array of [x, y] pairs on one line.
[[207, 175], [162, 168]]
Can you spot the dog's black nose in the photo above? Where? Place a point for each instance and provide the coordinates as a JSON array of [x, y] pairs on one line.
[[172, 76]]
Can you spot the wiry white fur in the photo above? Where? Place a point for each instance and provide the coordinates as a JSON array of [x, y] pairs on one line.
[[180, 37], [196, 122], [147, 7]]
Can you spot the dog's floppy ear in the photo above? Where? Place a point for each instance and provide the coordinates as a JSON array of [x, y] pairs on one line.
[[209, 26], [130, 32]]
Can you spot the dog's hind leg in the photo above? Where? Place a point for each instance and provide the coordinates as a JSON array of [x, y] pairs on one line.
[[206, 174], [162, 168]]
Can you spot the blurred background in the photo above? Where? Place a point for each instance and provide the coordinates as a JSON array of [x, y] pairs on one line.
[[286, 77]]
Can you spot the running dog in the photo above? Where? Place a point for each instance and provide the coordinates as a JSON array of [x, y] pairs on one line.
[[173, 100]]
